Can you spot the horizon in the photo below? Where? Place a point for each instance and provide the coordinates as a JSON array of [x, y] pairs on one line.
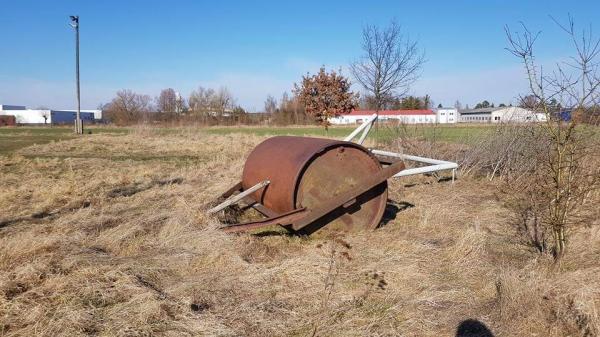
[[260, 49]]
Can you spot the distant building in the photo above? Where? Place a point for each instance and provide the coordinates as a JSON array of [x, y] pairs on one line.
[[97, 113], [500, 115], [564, 115], [47, 116], [11, 107], [68, 116], [404, 116], [28, 116], [7, 120], [446, 115]]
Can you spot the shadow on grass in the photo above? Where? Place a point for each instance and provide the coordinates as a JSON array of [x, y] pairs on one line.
[[473, 328], [392, 208]]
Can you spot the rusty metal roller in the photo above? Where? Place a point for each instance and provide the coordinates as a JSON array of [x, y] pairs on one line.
[[307, 172]]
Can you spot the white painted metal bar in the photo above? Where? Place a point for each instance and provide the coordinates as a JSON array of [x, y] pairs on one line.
[[435, 164], [236, 198], [364, 125], [365, 133], [413, 158]]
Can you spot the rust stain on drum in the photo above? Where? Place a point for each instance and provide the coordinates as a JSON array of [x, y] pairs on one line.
[[304, 172]]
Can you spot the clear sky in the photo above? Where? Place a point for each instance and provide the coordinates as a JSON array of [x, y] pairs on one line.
[[256, 48]]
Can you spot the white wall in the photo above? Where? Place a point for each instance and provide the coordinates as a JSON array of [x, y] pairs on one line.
[[29, 116], [477, 118], [415, 119], [504, 115], [514, 115], [408, 119], [446, 115]]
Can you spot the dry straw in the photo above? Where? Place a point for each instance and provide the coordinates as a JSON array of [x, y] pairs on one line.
[[107, 235]]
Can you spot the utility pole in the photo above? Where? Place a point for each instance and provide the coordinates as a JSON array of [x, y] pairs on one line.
[[78, 121]]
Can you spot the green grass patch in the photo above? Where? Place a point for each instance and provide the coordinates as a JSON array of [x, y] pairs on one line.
[[384, 133], [15, 138], [336, 132], [434, 133]]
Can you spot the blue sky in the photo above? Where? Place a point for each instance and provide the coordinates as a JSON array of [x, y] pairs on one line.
[[256, 48]]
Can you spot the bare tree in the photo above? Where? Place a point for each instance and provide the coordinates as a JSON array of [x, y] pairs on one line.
[[180, 104], [45, 116], [167, 101], [128, 107], [567, 171], [200, 100], [390, 64], [45, 113], [458, 105], [529, 102], [223, 101], [211, 104], [270, 105]]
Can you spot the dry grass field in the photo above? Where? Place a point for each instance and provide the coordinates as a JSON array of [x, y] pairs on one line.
[[107, 235]]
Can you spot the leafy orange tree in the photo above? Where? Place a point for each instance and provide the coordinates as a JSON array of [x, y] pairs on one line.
[[326, 95]]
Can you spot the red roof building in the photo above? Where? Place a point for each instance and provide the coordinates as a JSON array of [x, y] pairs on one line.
[[404, 116], [391, 113]]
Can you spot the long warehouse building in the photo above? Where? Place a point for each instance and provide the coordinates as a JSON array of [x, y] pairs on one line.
[[23, 115]]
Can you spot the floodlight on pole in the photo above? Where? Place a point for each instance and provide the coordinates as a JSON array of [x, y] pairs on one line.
[[78, 123]]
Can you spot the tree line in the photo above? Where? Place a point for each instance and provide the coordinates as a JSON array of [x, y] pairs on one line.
[[204, 105], [390, 63]]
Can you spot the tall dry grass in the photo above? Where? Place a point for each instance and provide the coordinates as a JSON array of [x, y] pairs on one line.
[[107, 235]]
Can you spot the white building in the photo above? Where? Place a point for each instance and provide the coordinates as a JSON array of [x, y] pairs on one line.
[[97, 113], [47, 116], [500, 115], [28, 116], [11, 107], [404, 116], [446, 115]]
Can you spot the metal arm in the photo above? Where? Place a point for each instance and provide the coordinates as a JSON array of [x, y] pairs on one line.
[[365, 127], [435, 165]]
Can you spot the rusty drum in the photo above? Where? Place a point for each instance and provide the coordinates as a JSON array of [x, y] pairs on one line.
[[305, 172]]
